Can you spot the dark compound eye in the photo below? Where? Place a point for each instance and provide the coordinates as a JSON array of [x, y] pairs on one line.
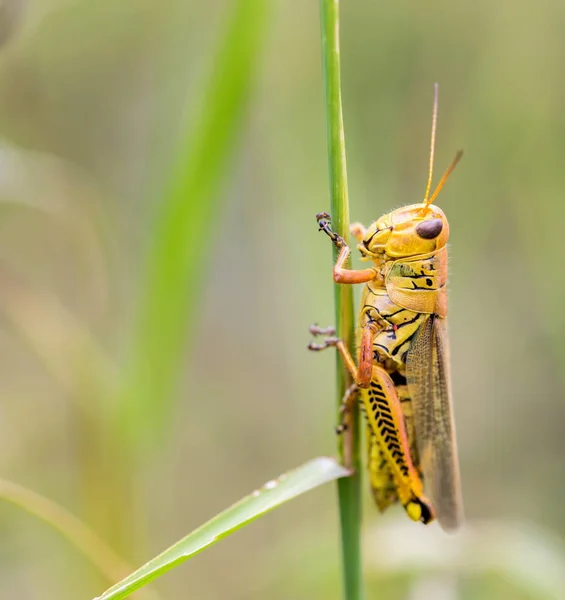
[[428, 230]]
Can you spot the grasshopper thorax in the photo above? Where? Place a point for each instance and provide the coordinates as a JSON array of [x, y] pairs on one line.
[[407, 231]]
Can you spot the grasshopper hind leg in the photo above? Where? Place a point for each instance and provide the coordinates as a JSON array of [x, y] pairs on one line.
[[420, 510], [381, 479], [387, 422]]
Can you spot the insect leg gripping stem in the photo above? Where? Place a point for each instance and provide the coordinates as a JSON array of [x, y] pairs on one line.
[[333, 342], [349, 399], [361, 375], [340, 273]]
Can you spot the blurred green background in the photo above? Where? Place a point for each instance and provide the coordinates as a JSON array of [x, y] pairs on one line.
[[144, 431]]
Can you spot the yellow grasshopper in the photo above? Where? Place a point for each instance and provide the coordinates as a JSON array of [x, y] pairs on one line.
[[402, 372]]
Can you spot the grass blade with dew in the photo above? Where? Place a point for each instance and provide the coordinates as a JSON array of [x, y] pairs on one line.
[[274, 493]]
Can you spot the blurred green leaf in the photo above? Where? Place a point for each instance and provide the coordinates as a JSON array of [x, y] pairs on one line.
[[174, 265], [274, 493], [74, 530]]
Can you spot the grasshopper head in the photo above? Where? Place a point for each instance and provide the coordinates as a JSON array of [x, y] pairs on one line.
[[407, 231], [414, 229]]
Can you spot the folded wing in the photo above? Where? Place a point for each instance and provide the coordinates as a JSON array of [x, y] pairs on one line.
[[427, 369]]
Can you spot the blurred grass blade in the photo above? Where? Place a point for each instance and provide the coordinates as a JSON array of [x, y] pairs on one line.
[[67, 349], [289, 485], [75, 360], [61, 191], [82, 537], [174, 265]]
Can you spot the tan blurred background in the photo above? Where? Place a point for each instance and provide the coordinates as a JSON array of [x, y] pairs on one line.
[[92, 98]]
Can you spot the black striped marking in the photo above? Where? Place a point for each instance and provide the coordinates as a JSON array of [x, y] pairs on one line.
[[385, 423], [396, 350]]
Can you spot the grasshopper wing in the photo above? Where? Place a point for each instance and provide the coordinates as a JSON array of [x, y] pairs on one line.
[[427, 369]]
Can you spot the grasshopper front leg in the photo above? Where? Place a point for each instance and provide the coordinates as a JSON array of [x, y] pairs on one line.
[[340, 273], [361, 374]]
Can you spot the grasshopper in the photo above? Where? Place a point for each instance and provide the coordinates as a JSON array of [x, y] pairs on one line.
[[401, 374]]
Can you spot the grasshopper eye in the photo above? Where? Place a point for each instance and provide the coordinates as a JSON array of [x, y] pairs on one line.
[[428, 230]]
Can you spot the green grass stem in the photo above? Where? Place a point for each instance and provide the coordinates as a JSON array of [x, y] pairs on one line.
[[349, 489]]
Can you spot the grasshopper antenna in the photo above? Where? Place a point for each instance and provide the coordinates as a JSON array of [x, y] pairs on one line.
[[432, 147], [427, 199], [445, 176]]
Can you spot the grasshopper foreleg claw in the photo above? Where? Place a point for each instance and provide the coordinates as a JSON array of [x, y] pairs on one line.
[[324, 221]]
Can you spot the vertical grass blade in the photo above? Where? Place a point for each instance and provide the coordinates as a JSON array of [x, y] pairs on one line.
[[174, 265], [349, 489]]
